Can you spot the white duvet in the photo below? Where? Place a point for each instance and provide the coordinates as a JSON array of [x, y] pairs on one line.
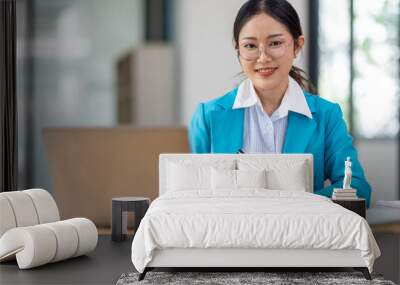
[[250, 218]]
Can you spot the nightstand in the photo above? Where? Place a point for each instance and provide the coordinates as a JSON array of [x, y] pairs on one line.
[[120, 207], [357, 205]]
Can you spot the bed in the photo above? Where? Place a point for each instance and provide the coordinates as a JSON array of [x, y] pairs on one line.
[[245, 211]]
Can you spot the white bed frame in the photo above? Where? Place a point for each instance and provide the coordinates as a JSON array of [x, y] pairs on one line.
[[251, 258]]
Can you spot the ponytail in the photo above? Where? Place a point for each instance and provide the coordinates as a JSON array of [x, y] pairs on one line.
[[302, 79]]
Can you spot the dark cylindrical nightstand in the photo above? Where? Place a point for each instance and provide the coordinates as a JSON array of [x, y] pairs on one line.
[[356, 205], [120, 208]]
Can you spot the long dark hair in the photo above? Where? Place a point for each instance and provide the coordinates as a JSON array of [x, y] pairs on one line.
[[283, 12]]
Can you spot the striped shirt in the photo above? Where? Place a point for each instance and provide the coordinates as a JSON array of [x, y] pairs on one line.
[[264, 134]]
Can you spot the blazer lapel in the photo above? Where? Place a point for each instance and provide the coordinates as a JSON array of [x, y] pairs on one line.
[[227, 130], [299, 132], [227, 126]]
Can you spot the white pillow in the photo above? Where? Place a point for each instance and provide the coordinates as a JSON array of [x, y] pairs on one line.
[[281, 174], [193, 174], [293, 180], [237, 179], [184, 177], [223, 179], [251, 178]]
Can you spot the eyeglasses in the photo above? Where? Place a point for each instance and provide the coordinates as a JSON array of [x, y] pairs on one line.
[[274, 49]]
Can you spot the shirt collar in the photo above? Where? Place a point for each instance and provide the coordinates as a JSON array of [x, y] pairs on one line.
[[293, 100]]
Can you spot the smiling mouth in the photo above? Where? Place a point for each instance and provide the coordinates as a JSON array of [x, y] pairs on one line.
[[266, 71]]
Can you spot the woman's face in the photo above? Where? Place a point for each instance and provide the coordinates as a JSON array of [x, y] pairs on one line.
[[266, 51]]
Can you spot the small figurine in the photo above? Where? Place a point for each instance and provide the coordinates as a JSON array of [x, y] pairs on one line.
[[346, 192], [347, 174]]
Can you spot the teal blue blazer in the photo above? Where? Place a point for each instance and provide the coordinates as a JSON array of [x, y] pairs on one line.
[[217, 128]]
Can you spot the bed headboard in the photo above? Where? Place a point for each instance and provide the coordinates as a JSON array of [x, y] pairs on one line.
[[212, 159]]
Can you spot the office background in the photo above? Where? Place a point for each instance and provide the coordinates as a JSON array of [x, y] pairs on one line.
[[71, 57]]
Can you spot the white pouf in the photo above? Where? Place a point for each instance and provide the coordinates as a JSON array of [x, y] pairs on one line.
[[7, 220], [31, 232]]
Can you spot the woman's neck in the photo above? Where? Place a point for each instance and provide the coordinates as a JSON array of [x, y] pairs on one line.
[[271, 99]]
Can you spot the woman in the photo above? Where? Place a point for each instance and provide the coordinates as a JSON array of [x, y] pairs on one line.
[[273, 111]]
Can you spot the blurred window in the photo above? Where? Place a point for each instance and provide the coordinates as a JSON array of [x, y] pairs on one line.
[[371, 87], [67, 53]]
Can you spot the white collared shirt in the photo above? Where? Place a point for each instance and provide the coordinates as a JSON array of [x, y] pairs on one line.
[[264, 134]]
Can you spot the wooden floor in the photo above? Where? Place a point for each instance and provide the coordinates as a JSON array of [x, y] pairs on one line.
[[103, 266]]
